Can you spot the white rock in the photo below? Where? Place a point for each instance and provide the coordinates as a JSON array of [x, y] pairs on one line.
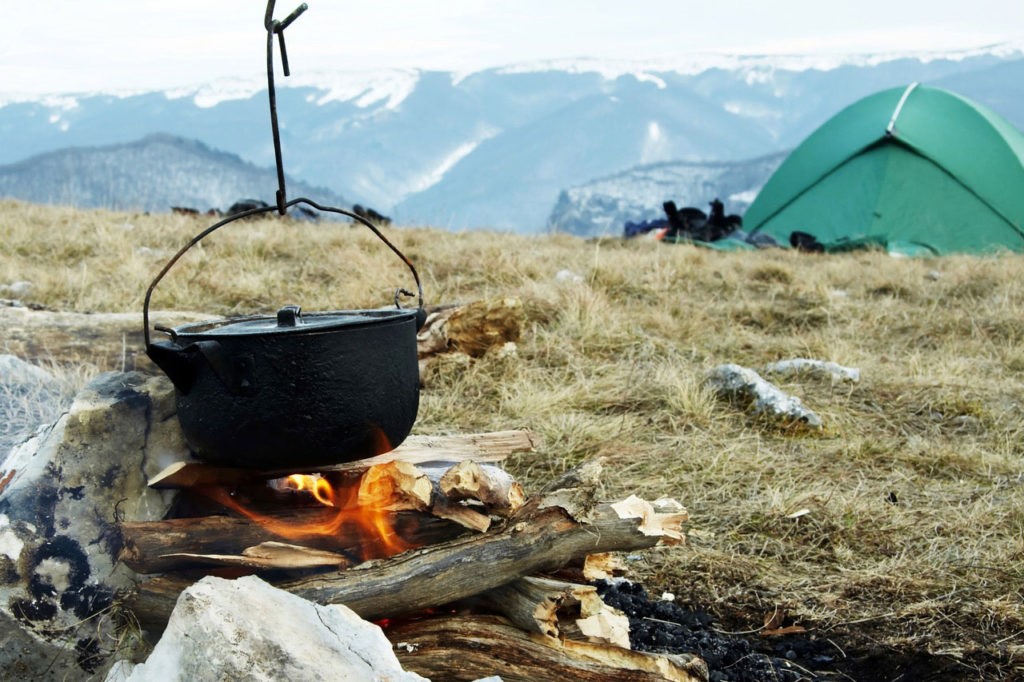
[[18, 288], [62, 490], [818, 367], [736, 382], [568, 276], [245, 629]]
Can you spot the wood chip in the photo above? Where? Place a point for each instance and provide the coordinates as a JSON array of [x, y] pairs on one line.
[[271, 555], [653, 522]]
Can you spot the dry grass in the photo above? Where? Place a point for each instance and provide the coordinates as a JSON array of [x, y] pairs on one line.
[[915, 490]]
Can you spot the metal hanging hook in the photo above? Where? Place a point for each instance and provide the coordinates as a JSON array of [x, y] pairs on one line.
[[277, 27]]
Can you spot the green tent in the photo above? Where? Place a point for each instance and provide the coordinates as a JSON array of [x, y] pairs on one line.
[[914, 170]]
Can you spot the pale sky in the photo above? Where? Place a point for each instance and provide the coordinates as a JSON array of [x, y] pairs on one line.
[[67, 46]]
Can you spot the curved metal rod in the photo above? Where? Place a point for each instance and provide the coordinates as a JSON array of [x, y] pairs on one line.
[[256, 211], [277, 27]]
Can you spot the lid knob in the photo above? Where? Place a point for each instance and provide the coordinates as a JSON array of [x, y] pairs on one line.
[[289, 316]]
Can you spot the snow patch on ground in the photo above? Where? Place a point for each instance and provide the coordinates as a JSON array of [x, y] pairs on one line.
[[656, 147], [437, 173]]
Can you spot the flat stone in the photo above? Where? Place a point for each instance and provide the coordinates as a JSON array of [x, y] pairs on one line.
[[246, 629]]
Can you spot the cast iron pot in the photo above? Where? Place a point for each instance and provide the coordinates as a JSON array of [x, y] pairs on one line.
[[293, 391]]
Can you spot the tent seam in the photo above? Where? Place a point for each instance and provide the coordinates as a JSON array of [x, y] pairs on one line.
[[891, 128]]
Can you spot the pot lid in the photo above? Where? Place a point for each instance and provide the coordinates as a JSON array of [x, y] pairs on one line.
[[290, 320]]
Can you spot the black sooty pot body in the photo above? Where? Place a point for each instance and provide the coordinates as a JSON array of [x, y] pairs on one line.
[[297, 399]]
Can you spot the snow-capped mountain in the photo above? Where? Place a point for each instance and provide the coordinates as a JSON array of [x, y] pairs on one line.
[[604, 206], [153, 174], [494, 148]]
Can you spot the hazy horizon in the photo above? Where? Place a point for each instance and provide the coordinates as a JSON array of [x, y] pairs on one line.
[[59, 46]]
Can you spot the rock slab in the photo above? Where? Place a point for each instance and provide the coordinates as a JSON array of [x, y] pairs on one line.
[[245, 629]]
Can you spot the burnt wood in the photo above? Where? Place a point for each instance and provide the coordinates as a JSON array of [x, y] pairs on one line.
[[471, 647]]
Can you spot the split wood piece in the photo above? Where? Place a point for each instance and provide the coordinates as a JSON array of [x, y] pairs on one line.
[[490, 485], [661, 518], [395, 486], [467, 517], [162, 546], [278, 555], [494, 446], [180, 475], [603, 566], [473, 328], [536, 540], [534, 604], [480, 447], [471, 647], [398, 486]]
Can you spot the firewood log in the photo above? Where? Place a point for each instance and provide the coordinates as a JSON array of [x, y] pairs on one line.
[[162, 546], [541, 537], [471, 647], [535, 604], [395, 486], [278, 555], [490, 485], [467, 517]]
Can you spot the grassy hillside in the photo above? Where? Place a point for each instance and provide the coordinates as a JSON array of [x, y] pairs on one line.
[[911, 499]]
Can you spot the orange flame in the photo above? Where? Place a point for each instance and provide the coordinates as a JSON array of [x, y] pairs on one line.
[[351, 516], [318, 485]]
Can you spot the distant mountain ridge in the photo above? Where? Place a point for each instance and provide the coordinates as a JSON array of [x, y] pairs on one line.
[[604, 206], [153, 174], [495, 148]]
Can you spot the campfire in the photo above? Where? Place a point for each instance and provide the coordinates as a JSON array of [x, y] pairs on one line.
[[402, 540]]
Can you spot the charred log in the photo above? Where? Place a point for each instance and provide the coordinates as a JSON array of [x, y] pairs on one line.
[[471, 647]]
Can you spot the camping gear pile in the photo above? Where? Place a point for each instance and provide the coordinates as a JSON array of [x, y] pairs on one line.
[[693, 224], [690, 225]]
